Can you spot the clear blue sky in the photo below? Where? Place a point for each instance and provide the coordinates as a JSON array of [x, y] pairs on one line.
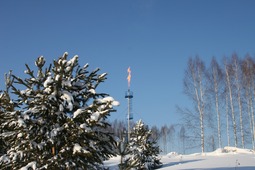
[[154, 37]]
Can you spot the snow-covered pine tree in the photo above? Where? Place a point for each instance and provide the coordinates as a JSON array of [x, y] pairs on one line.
[[61, 119], [4, 101], [6, 108], [143, 150]]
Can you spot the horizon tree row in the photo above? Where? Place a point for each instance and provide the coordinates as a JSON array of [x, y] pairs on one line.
[[223, 98], [170, 138]]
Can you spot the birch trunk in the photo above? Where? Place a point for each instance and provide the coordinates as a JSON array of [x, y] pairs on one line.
[[228, 136], [216, 92], [200, 115], [239, 98], [195, 88], [251, 73], [231, 104], [252, 114], [197, 82], [248, 86]]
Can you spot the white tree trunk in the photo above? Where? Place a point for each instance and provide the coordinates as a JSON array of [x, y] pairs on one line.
[[231, 104], [201, 119], [252, 116], [248, 78], [194, 84], [217, 106], [200, 105], [228, 136], [239, 100], [250, 112]]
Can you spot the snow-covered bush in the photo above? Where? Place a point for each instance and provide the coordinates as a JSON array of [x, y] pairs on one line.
[[143, 151], [57, 119]]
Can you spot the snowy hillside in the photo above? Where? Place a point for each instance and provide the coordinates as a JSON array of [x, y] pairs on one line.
[[221, 159]]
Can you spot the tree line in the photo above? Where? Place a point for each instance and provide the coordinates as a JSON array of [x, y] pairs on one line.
[[223, 99], [170, 138]]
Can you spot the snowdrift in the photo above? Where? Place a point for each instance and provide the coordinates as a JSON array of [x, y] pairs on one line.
[[229, 149], [221, 159]]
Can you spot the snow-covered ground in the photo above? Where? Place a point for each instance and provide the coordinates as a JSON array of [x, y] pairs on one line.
[[229, 158]]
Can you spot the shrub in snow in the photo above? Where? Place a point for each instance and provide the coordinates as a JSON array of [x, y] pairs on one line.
[[56, 120], [143, 151]]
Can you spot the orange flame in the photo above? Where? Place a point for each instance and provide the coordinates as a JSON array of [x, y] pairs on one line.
[[129, 76]]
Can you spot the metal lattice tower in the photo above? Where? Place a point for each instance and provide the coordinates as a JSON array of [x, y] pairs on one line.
[[129, 96]]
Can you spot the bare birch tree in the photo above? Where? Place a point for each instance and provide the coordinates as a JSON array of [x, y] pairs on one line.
[[228, 73], [229, 92], [182, 136], [227, 117], [252, 109], [236, 69], [163, 133], [194, 87], [248, 82], [171, 137], [215, 76]]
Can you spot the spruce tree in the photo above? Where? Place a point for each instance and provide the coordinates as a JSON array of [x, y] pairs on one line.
[[3, 103], [6, 108], [143, 150], [60, 119]]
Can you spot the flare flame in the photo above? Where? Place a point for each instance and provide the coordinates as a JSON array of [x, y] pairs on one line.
[[129, 76]]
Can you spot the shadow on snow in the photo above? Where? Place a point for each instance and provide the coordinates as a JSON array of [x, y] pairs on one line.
[[180, 162], [224, 168], [217, 168]]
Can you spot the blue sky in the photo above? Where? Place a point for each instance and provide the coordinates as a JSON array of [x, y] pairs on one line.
[[154, 37]]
